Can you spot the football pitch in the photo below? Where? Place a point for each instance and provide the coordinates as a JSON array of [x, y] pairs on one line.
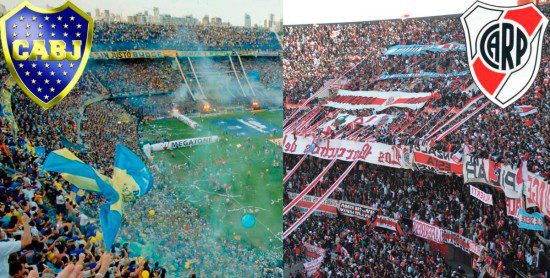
[[241, 174]]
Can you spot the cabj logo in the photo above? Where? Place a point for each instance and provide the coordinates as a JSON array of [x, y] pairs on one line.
[[46, 49], [504, 47]]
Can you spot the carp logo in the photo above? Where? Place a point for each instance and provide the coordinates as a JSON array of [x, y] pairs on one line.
[[46, 50], [504, 46]]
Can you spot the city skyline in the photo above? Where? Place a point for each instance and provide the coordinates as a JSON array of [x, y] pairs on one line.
[[229, 11]]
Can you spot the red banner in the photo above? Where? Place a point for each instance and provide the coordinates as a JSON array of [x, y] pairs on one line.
[[388, 223], [456, 240], [538, 192], [329, 206], [427, 231], [435, 161], [513, 206]]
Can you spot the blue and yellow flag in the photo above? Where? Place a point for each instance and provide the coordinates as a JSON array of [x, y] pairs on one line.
[[131, 180]]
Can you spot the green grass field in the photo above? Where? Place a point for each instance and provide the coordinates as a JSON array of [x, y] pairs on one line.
[[240, 174]]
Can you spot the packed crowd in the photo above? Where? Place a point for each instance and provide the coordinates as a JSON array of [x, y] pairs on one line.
[[317, 54], [64, 233], [127, 36], [136, 76], [369, 252], [443, 201], [46, 232]]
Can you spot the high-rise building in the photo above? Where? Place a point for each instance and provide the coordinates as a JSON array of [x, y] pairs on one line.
[[216, 21], [97, 14], [107, 15], [247, 21], [156, 11], [265, 23], [2, 10], [206, 20], [271, 21]]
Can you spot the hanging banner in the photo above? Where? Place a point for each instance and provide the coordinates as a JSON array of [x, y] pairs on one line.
[[425, 74], [426, 231], [475, 170], [534, 221], [417, 49], [538, 193], [344, 119], [456, 240], [347, 150], [475, 248], [313, 251], [388, 223], [312, 266], [329, 206], [135, 54], [356, 210], [513, 206], [480, 195], [427, 159], [508, 181], [378, 100]]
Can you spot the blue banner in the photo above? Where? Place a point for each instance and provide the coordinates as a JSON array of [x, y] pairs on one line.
[[534, 221], [417, 49], [426, 74]]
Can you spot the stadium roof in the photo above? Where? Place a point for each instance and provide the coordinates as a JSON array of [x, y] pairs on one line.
[[340, 11]]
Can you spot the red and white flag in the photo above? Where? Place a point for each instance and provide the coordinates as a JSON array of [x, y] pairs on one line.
[[524, 110]]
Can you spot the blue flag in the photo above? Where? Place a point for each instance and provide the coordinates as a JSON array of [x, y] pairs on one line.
[[131, 180]]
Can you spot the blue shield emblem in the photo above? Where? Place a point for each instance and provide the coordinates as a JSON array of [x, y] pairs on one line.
[[46, 50]]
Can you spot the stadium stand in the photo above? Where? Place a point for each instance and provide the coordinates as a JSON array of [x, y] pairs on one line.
[[109, 103], [352, 57]]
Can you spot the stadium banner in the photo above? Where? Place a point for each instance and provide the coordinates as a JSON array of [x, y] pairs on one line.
[[388, 223], [140, 54], [313, 251], [508, 181], [133, 54], [347, 150], [425, 74], [505, 177], [344, 119], [426, 231], [186, 120], [538, 193], [475, 248], [456, 240], [189, 142], [378, 100], [417, 49], [312, 266], [513, 206], [533, 221], [329, 206], [481, 195], [356, 210], [427, 159], [475, 170]]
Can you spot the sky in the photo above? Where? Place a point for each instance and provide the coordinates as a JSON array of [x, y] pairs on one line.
[[229, 10], [339, 11]]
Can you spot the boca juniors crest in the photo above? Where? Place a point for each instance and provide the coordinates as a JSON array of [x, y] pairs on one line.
[[46, 49], [504, 47]]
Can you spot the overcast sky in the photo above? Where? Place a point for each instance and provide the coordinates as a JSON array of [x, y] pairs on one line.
[[337, 11], [229, 10]]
